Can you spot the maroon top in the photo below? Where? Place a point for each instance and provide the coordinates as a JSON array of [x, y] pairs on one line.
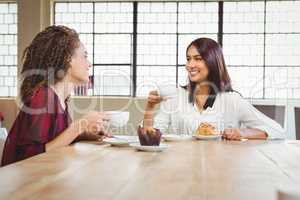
[[40, 120]]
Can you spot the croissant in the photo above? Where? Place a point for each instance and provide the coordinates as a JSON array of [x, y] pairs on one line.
[[206, 129]]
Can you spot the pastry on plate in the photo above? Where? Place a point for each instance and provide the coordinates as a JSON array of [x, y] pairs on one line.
[[206, 129], [149, 136]]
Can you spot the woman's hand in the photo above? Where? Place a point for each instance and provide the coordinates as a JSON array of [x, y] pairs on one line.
[[94, 123], [88, 127], [232, 134], [247, 133], [153, 99]]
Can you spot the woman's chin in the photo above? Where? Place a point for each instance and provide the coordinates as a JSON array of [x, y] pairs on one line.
[[194, 79]]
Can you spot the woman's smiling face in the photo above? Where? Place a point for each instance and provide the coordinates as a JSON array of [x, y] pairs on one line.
[[196, 66]]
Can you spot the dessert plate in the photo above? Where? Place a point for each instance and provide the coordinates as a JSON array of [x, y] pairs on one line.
[[121, 140], [159, 148], [207, 137]]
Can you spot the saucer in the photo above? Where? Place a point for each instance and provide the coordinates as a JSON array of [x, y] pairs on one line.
[[116, 142], [159, 148], [174, 137]]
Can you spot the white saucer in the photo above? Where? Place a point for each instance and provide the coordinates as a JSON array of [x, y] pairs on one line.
[[207, 137], [116, 142], [129, 138], [139, 147], [174, 137], [121, 140]]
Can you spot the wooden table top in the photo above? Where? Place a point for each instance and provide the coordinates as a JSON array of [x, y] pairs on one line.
[[187, 170]]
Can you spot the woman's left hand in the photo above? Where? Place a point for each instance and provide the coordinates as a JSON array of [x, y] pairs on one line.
[[232, 134], [99, 136]]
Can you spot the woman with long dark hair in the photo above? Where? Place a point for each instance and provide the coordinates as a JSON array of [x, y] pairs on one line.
[[54, 63], [209, 96]]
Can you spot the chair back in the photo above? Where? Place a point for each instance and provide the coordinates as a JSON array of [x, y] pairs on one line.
[[275, 112]]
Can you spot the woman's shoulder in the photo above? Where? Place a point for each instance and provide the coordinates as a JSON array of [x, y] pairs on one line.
[[230, 95], [233, 98], [41, 97], [183, 94]]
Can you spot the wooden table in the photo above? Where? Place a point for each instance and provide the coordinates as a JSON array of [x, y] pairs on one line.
[[186, 170]]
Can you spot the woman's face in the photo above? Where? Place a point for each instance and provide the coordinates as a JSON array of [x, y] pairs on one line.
[[79, 69], [195, 66]]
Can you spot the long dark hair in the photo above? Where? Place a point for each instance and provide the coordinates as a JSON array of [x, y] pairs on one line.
[[218, 77], [47, 58]]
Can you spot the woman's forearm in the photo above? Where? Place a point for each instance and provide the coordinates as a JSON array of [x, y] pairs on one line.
[[148, 116], [66, 137], [251, 133]]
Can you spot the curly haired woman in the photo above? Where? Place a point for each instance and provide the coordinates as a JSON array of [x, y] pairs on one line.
[[54, 63]]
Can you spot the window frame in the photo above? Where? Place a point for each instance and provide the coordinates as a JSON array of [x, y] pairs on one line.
[[220, 34]]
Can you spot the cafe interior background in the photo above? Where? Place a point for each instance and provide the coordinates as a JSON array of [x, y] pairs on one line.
[[133, 46]]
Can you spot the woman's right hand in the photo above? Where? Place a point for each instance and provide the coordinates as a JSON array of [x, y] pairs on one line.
[[153, 99]]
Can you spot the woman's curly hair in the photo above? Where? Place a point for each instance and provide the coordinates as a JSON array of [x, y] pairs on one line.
[[47, 58]]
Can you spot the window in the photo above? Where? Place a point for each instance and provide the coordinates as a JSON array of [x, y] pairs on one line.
[[106, 30], [135, 45], [282, 63], [8, 49], [262, 59]]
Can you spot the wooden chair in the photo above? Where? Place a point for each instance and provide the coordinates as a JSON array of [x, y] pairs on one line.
[[275, 112]]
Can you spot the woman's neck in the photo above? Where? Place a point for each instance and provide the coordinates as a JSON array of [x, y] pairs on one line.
[[63, 90], [201, 94], [202, 90]]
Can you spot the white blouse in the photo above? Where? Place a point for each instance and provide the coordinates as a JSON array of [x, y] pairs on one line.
[[230, 110]]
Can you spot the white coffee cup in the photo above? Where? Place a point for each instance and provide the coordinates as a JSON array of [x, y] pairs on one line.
[[3, 136], [167, 91], [118, 118], [3, 133]]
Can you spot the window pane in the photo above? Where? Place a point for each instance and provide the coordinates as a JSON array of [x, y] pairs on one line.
[[8, 49], [156, 49], [283, 82], [113, 17], [78, 16], [283, 16], [112, 80], [149, 76], [113, 48], [245, 49], [247, 80], [283, 49], [157, 17], [243, 17], [198, 17]]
